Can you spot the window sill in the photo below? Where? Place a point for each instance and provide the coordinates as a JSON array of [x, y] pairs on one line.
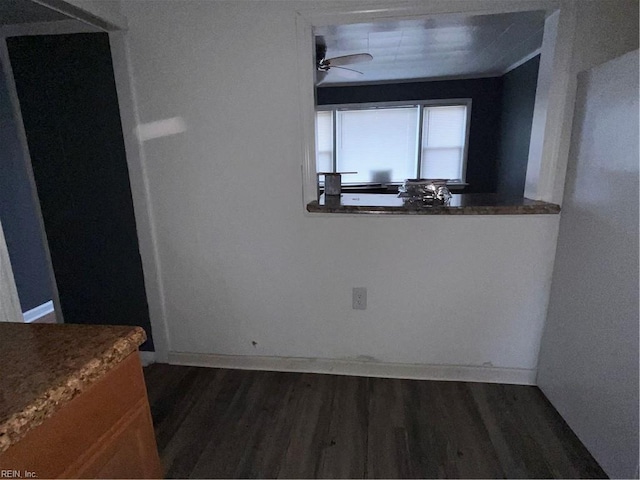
[[461, 204]]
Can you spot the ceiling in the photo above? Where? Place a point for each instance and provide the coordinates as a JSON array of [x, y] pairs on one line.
[[14, 12], [443, 46]]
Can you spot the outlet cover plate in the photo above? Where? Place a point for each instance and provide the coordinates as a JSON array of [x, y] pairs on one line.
[[359, 298]]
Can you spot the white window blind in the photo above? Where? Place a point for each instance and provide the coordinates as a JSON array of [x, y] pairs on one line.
[[324, 142], [443, 140], [380, 144]]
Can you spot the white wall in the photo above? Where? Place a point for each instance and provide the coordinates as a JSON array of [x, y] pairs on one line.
[[589, 357], [108, 11], [603, 30], [241, 261]]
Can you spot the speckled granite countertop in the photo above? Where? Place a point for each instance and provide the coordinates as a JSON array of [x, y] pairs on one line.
[[461, 204], [43, 366]]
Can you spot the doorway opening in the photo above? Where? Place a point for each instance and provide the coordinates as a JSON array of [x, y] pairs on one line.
[[66, 110]]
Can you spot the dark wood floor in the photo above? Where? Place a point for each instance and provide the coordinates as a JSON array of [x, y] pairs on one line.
[[213, 423]]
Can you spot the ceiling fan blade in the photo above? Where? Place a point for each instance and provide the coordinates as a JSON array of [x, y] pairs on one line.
[[346, 72], [349, 59]]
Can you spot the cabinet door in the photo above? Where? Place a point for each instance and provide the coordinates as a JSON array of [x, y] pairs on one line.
[[104, 432], [130, 453]]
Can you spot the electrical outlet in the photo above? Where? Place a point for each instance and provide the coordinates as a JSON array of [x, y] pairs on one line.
[[359, 298]]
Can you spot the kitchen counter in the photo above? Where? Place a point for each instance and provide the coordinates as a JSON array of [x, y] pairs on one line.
[[43, 367], [461, 204]]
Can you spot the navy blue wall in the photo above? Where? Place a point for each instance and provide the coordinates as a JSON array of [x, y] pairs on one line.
[[484, 132], [19, 215], [70, 109], [518, 99]]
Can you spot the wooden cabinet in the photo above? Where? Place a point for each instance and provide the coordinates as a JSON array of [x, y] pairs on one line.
[[104, 432]]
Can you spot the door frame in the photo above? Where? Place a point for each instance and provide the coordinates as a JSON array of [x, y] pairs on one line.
[[85, 21]]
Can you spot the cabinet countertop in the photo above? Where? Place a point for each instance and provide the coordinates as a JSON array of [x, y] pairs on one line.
[[44, 366], [461, 204]]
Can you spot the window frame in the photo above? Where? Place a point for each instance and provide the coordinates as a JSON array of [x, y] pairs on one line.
[[448, 102], [553, 111]]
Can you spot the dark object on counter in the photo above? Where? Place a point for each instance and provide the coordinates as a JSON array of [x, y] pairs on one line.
[[332, 182], [424, 192]]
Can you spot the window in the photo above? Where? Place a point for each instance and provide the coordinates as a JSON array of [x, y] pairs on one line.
[[390, 143], [324, 142], [443, 142]]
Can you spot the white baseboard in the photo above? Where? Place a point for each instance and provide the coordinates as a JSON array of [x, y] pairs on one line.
[[518, 376], [38, 312], [147, 358]]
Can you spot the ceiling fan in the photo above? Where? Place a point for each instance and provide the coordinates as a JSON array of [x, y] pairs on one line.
[[324, 65]]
